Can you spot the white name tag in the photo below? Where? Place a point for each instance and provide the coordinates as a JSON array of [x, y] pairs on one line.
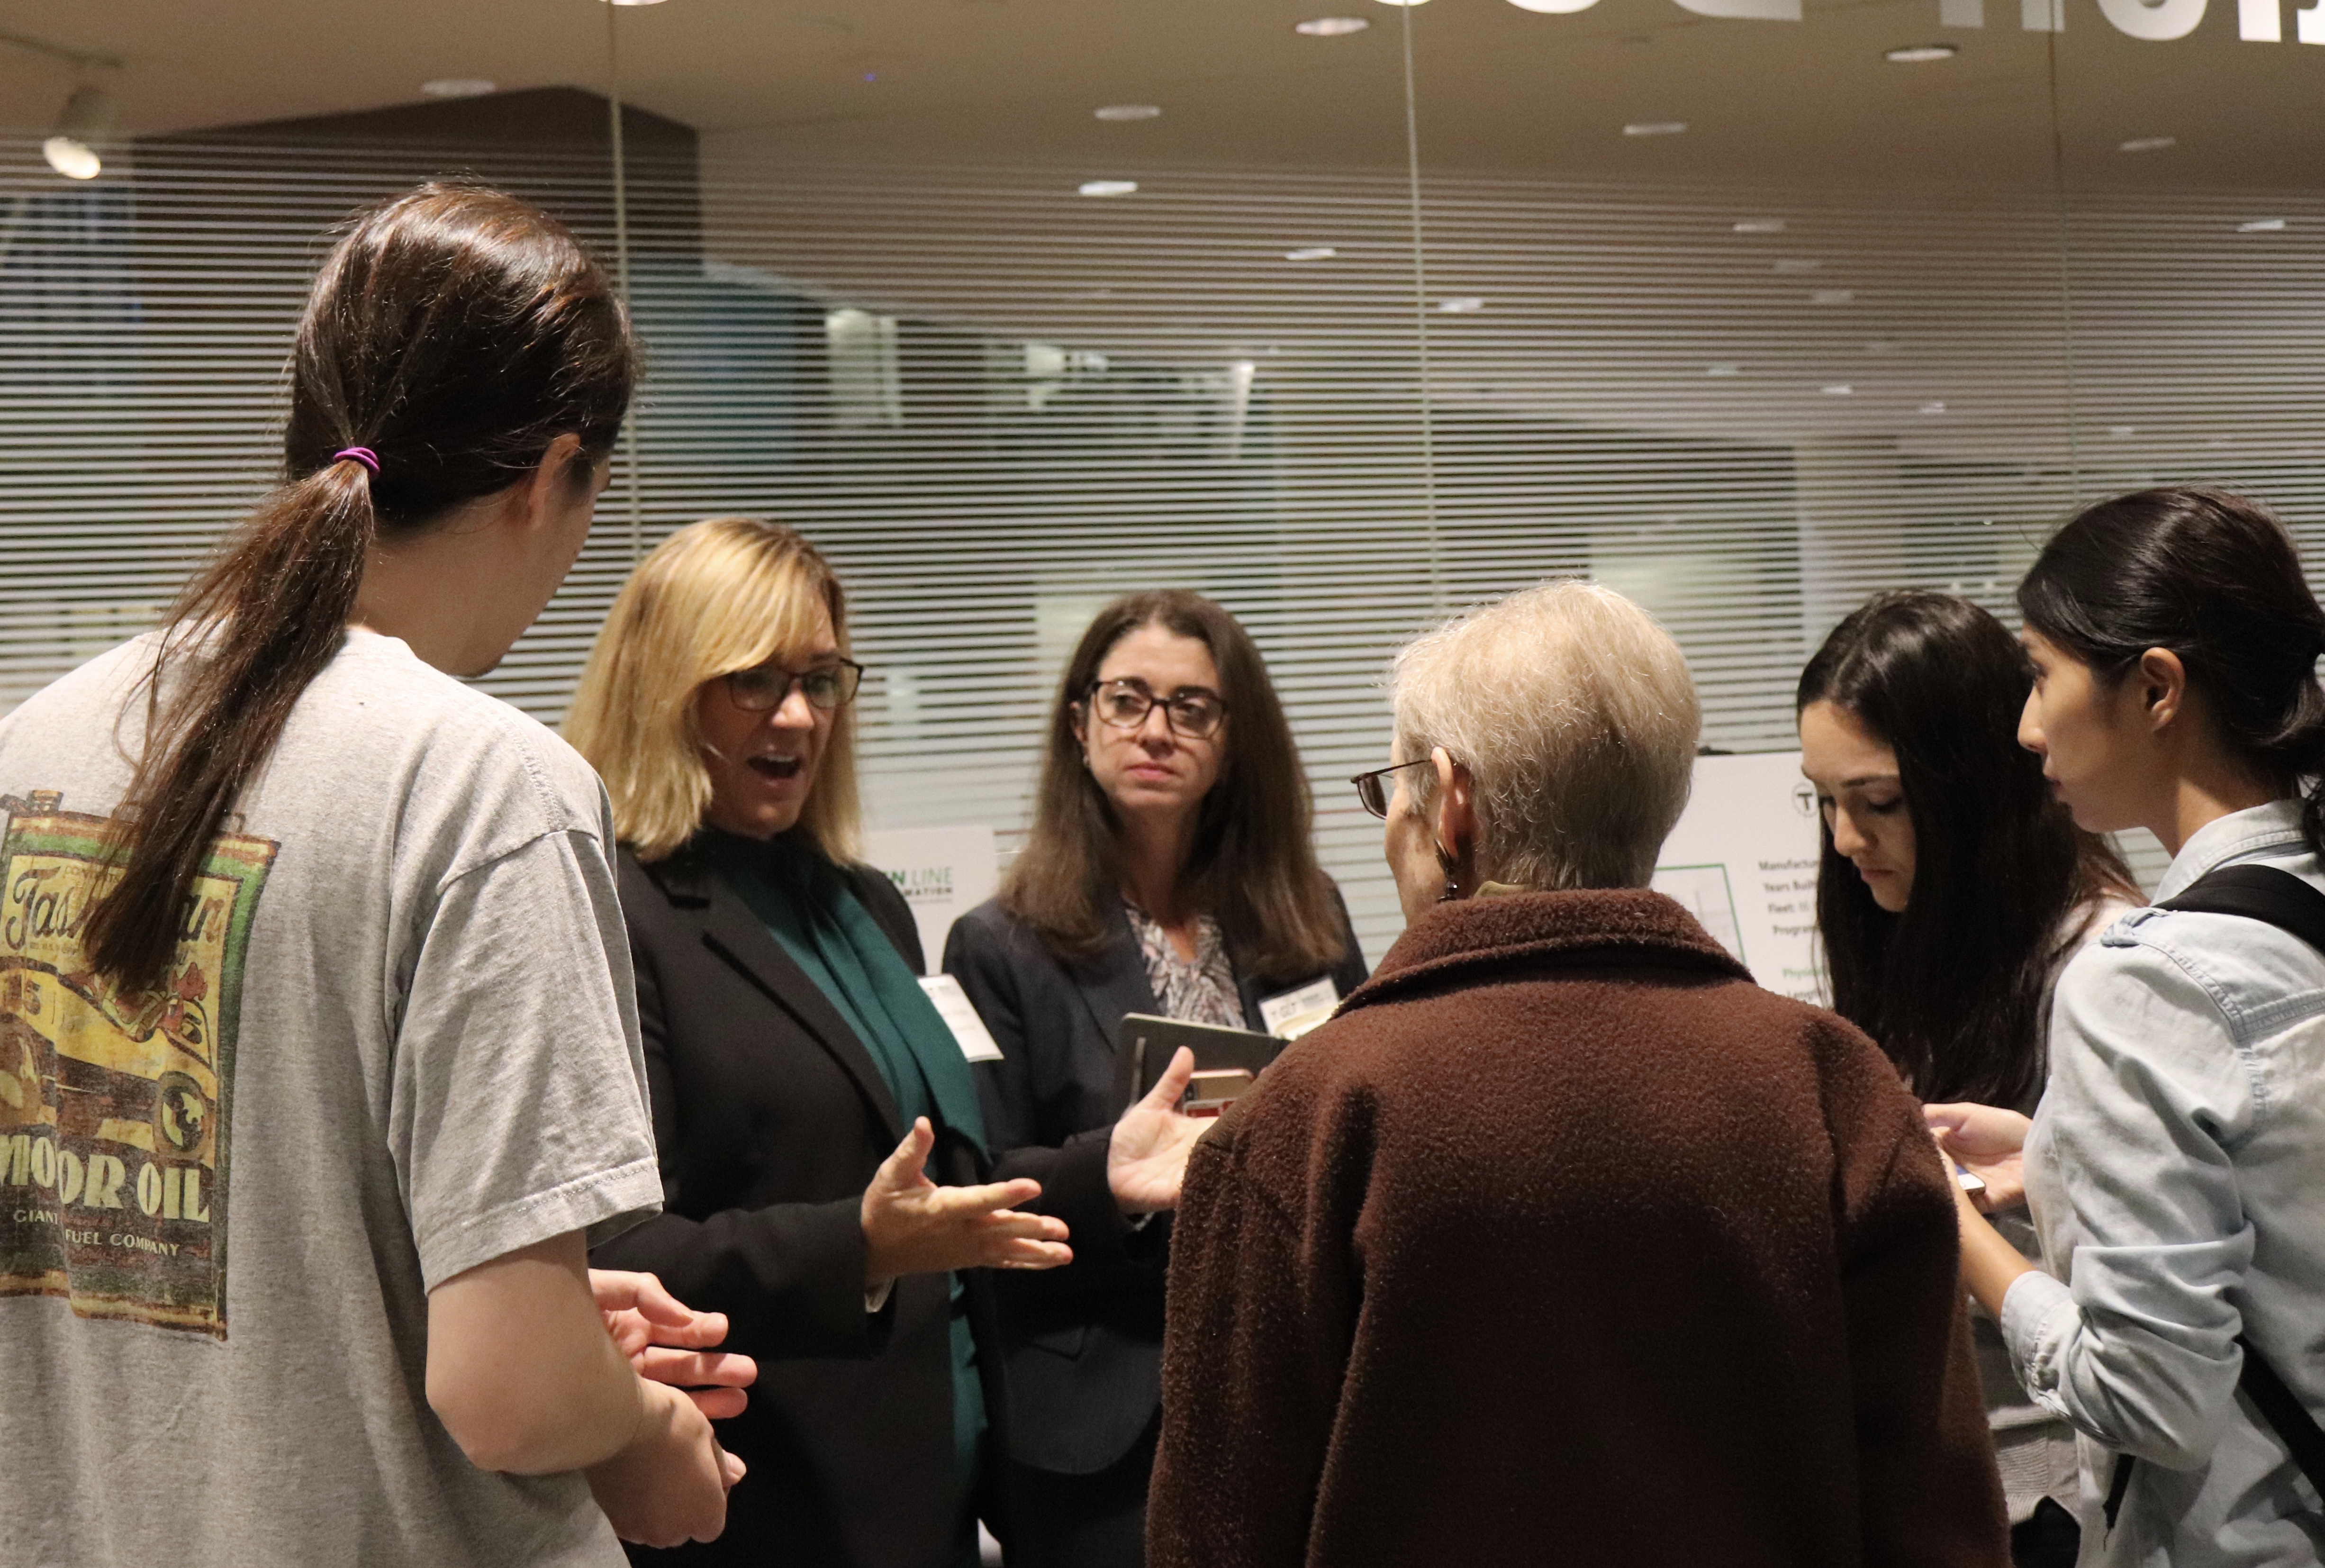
[[959, 1014], [1306, 1008]]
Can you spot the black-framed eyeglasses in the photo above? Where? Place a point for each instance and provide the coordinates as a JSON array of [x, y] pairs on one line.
[[763, 687], [1193, 711], [1372, 788]]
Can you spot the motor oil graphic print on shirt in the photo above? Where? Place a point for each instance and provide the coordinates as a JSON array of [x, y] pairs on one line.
[[114, 1109]]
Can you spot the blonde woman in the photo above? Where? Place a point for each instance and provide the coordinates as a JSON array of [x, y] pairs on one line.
[[804, 1090]]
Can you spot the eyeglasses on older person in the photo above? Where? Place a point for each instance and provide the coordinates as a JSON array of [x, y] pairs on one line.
[[1372, 788]]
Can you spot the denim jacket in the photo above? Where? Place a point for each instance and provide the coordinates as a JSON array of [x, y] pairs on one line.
[[2176, 1171]]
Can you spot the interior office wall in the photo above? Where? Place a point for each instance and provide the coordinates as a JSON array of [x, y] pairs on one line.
[[995, 402]]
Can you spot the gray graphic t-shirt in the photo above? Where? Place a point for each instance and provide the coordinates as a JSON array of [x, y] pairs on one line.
[[397, 1040]]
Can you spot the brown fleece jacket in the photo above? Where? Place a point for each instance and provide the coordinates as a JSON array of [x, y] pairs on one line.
[[1565, 1243]]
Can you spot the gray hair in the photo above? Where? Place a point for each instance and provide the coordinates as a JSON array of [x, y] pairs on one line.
[[1574, 713]]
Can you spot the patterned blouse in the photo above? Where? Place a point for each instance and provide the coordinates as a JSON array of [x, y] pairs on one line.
[[1198, 990]]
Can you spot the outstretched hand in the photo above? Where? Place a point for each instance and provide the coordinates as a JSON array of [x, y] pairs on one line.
[[912, 1226], [1146, 1157], [1988, 1142], [668, 1341]]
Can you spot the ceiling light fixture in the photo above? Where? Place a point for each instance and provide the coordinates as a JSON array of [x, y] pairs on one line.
[[1127, 112], [1920, 53], [1108, 188], [1331, 26], [1655, 128], [1404, 2], [1563, 8], [1467, 305], [1759, 226], [2147, 144], [459, 87], [1311, 253], [633, 2], [72, 148], [2262, 226]]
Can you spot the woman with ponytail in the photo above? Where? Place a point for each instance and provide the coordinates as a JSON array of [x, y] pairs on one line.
[[2174, 1164], [318, 1066]]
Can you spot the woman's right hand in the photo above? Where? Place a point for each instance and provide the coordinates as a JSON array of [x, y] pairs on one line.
[[912, 1226], [1146, 1157], [1988, 1142]]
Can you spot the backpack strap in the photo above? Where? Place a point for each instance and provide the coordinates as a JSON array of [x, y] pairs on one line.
[[2278, 898]]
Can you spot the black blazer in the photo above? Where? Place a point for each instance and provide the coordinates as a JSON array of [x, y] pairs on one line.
[[771, 1118], [1083, 1343]]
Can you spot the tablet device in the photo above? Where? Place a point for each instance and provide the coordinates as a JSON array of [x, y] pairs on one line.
[[1148, 1044]]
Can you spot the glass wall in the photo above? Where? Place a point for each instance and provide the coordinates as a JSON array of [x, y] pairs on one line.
[[1014, 305]]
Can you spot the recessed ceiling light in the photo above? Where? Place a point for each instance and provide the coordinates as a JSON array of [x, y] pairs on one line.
[[1934, 408], [1404, 2], [2147, 144], [1127, 112], [1563, 7], [1920, 53], [1759, 226], [1311, 253], [1331, 26], [1655, 128], [1108, 188], [1725, 370], [2261, 226], [1832, 296], [1798, 265], [458, 87], [633, 2], [1836, 389], [1466, 305]]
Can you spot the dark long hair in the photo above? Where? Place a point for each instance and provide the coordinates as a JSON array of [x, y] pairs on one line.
[[1254, 867], [1953, 987], [454, 332], [2215, 578]]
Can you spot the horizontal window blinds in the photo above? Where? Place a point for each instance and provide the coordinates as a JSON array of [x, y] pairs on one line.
[[996, 402]]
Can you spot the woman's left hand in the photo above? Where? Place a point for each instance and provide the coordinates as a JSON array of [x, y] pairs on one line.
[[668, 1341]]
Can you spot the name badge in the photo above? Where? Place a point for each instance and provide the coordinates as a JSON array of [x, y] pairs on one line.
[[1289, 1015], [959, 1014]]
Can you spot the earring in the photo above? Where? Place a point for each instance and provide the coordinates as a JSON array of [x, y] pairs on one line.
[[1445, 863]]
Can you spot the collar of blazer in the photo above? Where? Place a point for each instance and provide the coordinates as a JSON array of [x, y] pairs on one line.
[[731, 930]]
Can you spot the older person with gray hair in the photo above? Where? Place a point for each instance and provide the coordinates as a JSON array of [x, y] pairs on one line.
[[1562, 1240]]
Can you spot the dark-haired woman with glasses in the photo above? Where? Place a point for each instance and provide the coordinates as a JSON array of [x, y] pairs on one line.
[[1169, 871], [807, 1096]]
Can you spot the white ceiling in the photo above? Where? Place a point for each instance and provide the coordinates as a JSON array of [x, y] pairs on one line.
[[1012, 82]]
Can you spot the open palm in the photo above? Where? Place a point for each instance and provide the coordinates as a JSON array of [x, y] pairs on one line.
[[1146, 1158]]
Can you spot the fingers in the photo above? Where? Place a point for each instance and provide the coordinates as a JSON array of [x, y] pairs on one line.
[[618, 1290], [696, 1369], [1021, 1254], [902, 1169], [954, 1203], [731, 1468], [720, 1404], [1172, 1087], [1945, 1119]]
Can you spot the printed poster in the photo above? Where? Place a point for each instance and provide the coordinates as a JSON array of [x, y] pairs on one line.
[[943, 873], [1744, 860], [116, 1109]]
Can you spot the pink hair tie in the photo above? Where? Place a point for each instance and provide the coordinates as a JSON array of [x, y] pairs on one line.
[[364, 455]]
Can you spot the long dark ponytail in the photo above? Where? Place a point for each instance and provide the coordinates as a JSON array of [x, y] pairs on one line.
[[1953, 987], [2215, 578], [454, 333]]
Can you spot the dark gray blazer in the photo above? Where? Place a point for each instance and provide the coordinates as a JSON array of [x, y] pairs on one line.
[[771, 1117], [1083, 1344]]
